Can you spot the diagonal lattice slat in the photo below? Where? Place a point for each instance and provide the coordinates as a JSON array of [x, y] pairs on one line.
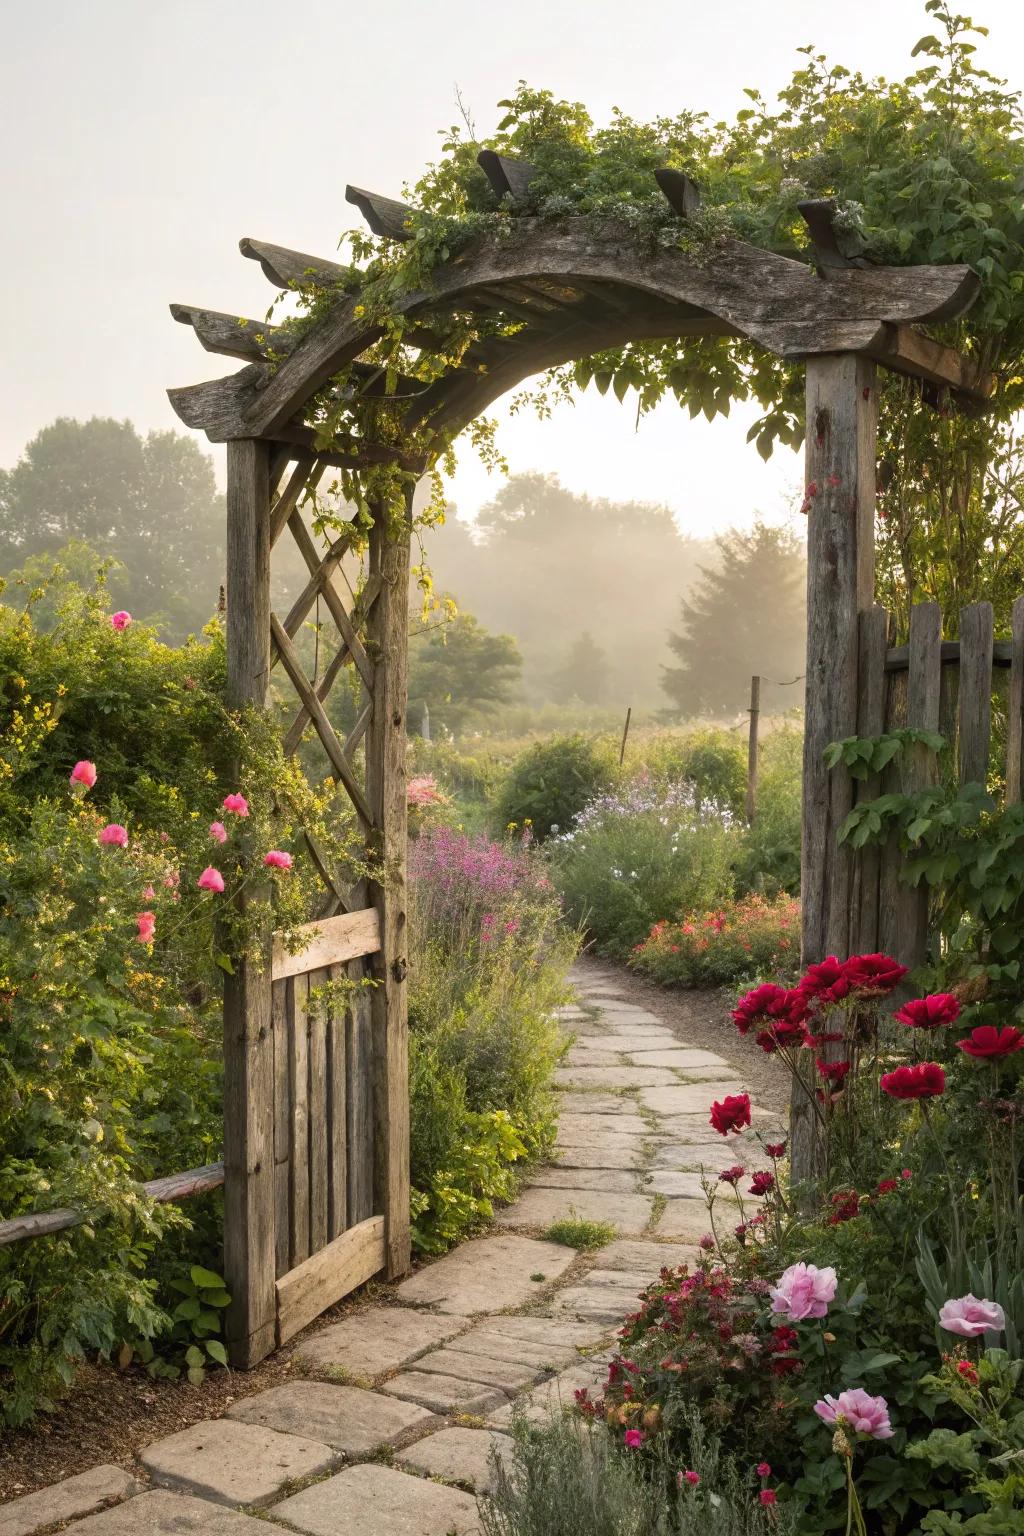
[[331, 596], [341, 657]]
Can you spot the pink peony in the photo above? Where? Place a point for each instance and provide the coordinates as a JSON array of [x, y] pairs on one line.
[[83, 773], [970, 1318], [634, 1438], [865, 1415], [277, 859], [120, 620], [218, 832], [114, 835], [211, 879], [238, 805], [804, 1290], [146, 922]]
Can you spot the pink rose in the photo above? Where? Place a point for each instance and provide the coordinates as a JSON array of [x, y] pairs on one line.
[[238, 805], [211, 879], [114, 835], [634, 1438], [277, 859], [804, 1290], [763, 1469], [120, 620], [970, 1318], [146, 923], [218, 832], [83, 773], [865, 1415]]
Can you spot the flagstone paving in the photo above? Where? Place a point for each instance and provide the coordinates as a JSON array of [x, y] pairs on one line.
[[505, 1324]]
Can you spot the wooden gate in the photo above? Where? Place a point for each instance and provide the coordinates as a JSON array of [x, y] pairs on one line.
[[316, 1099]]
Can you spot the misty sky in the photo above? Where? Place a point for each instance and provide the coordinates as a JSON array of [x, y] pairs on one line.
[[141, 140]]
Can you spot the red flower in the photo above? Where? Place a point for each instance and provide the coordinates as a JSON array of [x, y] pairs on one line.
[[967, 1371], [824, 1037], [776, 1149], [886, 1186], [780, 1033], [761, 1182], [845, 1206], [731, 1175], [924, 1080], [768, 1002], [827, 981], [731, 1113], [929, 1012], [768, 1496], [873, 973], [986, 1043], [834, 1071]]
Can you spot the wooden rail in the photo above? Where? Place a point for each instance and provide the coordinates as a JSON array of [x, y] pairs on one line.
[[174, 1186], [898, 658]]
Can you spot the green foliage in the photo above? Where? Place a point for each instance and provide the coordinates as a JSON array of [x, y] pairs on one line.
[[575, 1232], [740, 941], [461, 673], [866, 755], [577, 1481], [196, 1324], [745, 615], [769, 859], [551, 783]]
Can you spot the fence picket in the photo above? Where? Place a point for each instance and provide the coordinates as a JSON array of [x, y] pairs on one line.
[[1015, 707], [975, 708], [299, 1105]]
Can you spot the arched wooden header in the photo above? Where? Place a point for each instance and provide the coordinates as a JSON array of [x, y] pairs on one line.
[[550, 291]]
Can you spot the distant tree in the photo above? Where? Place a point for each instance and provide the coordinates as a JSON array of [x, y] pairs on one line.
[[149, 503], [461, 672], [745, 614], [584, 673]]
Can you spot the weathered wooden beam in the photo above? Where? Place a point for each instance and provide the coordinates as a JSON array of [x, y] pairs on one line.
[[508, 177], [975, 692], [682, 194], [331, 941], [897, 658], [385, 216], [170, 1188], [296, 269], [830, 247], [326, 1276], [907, 350], [1015, 707], [234, 335], [217, 407]]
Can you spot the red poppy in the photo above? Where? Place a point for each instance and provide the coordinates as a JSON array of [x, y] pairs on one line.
[[924, 1080], [929, 1012], [769, 1002], [731, 1113], [761, 1182], [986, 1043], [873, 973], [886, 1186], [827, 981], [731, 1175], [835, 1071]]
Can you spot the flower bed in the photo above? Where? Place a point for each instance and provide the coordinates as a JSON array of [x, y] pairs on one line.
[[751, 937]]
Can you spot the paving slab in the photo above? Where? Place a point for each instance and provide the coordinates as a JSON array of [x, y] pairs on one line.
[[618, 1279], [684, 1098], [347, 1418], [481, 1370], [726, 1152], [619, 1181], [380, 1339], [602, 1303], [614, 1152], [458, 1455], [596, 1103], [684, 1218], [552, 1396], [169, 1514], [234, 1463], [577, 1127], [670, 1182], [580, 1056], [443, 1394], [680, 1059], [645, 1258], [548, 1330], [72, 1496], [628, 1042], [613, 1077], [382, 1502], [540, 1207], [615, 1012], [542, 1356], [487, 1274]]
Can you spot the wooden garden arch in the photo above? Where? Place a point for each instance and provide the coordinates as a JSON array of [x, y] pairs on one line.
[[317, 1117]]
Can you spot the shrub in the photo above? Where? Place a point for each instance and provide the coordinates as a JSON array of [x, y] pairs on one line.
[[747, 938], [711, 761], [489, 954], [769, 857], [548, 786], [642, 854]]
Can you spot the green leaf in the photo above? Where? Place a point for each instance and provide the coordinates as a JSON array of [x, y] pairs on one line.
[[205, 1279], [194, 1356], [215, 1349]]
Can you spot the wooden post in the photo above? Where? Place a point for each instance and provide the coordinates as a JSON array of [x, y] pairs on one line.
[[755, 715], [625, 734], [387, 637], [840, 501], [249, 1235]]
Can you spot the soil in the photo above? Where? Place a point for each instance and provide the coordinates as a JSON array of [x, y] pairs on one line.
[[700, 1018]]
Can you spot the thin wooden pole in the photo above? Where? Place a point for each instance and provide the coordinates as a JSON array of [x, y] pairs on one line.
[[755, 715], [249, 1236], [841, 428], [625, 733], [387, 636]]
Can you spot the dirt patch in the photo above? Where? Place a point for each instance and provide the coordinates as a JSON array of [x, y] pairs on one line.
[[700, 1018]]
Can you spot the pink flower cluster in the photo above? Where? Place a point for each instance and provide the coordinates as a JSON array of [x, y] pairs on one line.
[[803, 1291], [859, 1411]]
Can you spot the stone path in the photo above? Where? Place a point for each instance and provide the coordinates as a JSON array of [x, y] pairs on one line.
[[390, 1424]]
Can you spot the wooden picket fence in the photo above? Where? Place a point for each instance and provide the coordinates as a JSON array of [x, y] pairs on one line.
[[943, 686]]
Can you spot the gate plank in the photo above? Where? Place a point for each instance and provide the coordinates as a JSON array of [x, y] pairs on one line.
[[1015, 707], [350, 1260], [359, 1085], [337, 1169], [871, 696], [282, 1126], [331, 941], [975, 692], [317, 1120], [298, 1035]]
